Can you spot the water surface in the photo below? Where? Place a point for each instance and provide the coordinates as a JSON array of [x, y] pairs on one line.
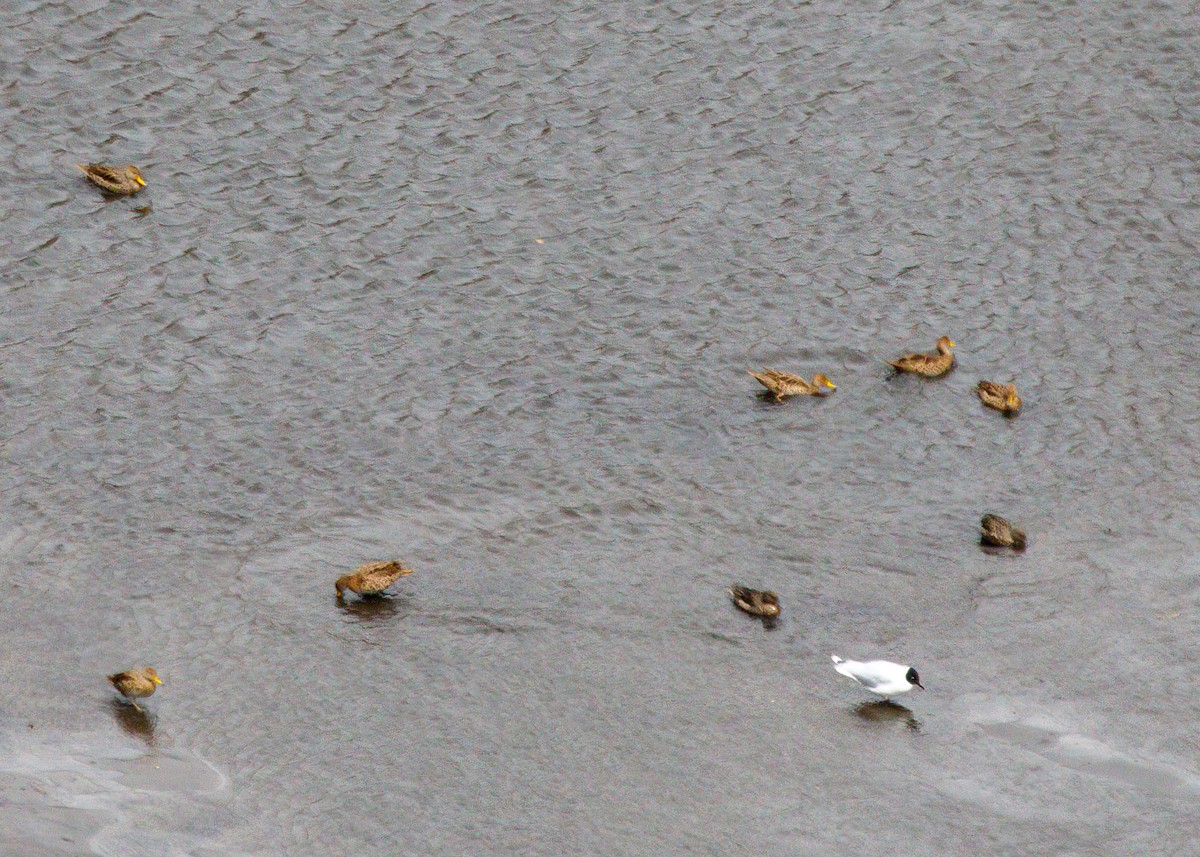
[[476, 285]]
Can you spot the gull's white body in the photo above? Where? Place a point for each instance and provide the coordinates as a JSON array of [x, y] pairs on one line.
[[881, 677]]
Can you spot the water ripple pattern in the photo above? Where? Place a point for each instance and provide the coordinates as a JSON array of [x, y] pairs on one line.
[[475, 284]]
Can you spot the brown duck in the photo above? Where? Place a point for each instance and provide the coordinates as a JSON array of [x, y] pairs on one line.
[[784, 384], [756, 602], [1002, 397], [928, 365], [136, 684], [122, 181], [372, 578], [994, 530]]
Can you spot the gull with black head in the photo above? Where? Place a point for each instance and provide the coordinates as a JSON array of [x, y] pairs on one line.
[[883, 678]]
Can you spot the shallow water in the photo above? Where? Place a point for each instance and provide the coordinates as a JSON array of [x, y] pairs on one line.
[[475, 285]]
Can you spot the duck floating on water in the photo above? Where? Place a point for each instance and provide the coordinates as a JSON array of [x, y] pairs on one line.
[[756, 602], [784, 384], [928, 365], [994, 530], [1002, 397], [123, 181]]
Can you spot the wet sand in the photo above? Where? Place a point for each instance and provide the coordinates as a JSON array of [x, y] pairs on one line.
[[74, 794]]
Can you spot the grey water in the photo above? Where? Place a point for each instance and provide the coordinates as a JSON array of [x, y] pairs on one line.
[[475, 285]]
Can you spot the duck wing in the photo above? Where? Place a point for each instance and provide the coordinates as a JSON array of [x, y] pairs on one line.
[[916, 362], [773, 379], [754, 601], [784, 383], [103, 174], [766, 377]]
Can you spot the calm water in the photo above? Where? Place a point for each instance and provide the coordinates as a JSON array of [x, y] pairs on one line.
[[476, 285]]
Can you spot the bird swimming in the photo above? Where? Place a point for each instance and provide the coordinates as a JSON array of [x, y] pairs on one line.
[[880, 677], [784, 384], [756, 602], [928, 365], [123, 181], [994, 530], [372, 578], [1001, 397], [136, 684]]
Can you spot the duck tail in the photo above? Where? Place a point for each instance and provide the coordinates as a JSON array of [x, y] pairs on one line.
[[836, 660], [764, 379]]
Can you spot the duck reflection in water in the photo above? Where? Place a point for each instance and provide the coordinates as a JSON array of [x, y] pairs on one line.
[[884, 711], [370, 609], [133, 722]]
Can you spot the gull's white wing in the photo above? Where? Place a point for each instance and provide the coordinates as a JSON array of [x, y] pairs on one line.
[[846, 668], [874, 674]]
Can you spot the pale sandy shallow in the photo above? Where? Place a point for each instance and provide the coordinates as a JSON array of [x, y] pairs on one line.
[[81, 793]]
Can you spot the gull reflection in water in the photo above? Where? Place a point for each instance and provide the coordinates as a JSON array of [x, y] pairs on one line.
[[884, 711]]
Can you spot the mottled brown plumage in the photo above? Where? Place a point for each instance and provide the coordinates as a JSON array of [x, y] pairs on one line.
[[123, 181], [755, 602], [136, 684], [784, 384], [928, 365], [372, 578], [994, 530], [1002, 397]]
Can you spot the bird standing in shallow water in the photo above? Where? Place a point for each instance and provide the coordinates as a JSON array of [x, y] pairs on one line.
[[928, 365], [1002, 397], [372, 578], [880, 677], [136, 684], [123, 181], [784, 384], [994, 530]]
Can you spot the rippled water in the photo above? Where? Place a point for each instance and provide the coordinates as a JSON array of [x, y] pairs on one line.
[[475, 285]]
